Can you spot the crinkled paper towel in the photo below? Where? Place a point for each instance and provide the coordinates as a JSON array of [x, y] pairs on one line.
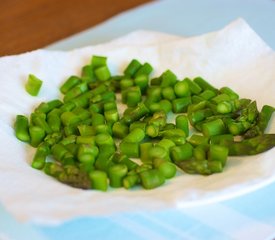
[[234, 56]]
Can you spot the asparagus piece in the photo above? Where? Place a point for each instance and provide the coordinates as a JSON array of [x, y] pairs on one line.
[[181, 89], [77, 180], [167, 169], [71, 82], [204, 84], [130, 181], [116, 174], [132, 68], [21, 127], [250, 146], [261, 125], [151, 178], [138, 112], [33, 85]]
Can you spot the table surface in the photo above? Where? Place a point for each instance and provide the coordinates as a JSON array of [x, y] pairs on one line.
[[251, 216], [32, 24]]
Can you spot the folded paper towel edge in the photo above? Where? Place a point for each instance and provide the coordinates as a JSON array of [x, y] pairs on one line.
[[155, 36]]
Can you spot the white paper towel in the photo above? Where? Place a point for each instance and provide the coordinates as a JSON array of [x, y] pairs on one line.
[[234, 56]]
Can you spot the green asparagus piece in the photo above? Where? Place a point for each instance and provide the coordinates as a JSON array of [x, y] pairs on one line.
[[224, 107], [178, 140], [228, 91], [82, 113], [102, 73], [37, 135], [98, 61], [145, 69], [159, 152], [163, 105], [142, 82], [250, 146], [122, 158], [212, 128], [131, 149], [33, 85], [53, 169], [76, 91], [217, 139], [99, 180], [168, 78], [204, 84], [218, 153], [54, 121], [53, 138], [193, 86], [145, 152], [153, 94], [262, 122], [166, 144], [151, 178], [181, 89], [220, 98], [264, 117], [69, 118], [138, 124], [197, 139], [132, 68], [86, 139], [87, 153], [66, 107], [167, 169], [21, 127], [104, 139], [110, 105], [168, 93], [250, 113], [116, 174], [111, 116], [143, 167], [179, 105], [58, 151], [137, 113], [156, 81], [205, 95], [120, 130], [130, 180], [182, 123], [199, 115], [195, 167], [46, 107], [104, 159], [132, 96], [87, 74], [68, 140], [40, 156], [80, 179], [200, 152], [181, 153], [69, 84], [136, 135], [40, 121], [124, 84], [83, 100]]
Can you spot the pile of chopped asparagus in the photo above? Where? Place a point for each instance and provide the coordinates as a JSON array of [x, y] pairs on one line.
[[86, 142]]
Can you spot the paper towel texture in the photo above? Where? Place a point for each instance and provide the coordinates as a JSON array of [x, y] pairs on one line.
[[234, 56]]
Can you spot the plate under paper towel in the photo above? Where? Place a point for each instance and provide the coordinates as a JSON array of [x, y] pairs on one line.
[[234, 56]]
